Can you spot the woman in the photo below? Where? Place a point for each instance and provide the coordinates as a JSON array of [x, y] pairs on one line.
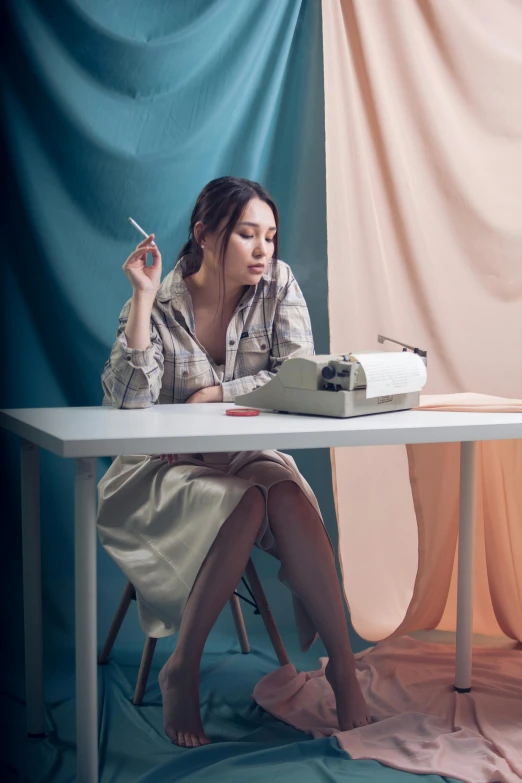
[[182, 526]]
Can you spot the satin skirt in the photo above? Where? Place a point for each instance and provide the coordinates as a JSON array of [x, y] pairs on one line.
[[158, 520]]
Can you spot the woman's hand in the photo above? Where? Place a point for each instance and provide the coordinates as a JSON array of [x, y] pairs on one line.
[[144, 279], [171, 457], [209, 394]]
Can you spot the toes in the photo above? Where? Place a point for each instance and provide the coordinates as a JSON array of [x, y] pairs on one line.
[[185, 740], [197, 740], [172, 735]]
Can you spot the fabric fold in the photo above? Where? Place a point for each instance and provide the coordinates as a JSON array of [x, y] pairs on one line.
[[424, 183], [420, 724]]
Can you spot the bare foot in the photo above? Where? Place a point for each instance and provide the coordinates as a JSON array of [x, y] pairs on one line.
[[352, 710], [181, 718]]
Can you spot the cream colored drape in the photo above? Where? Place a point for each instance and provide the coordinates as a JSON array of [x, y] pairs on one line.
[[423, 105]]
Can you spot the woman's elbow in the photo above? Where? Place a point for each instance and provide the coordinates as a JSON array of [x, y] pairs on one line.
[[132, 405]]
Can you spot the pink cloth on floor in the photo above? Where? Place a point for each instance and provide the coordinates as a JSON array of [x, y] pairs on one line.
[[420, 723]]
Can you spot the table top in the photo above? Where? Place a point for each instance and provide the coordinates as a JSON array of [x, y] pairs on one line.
[[185, 429]]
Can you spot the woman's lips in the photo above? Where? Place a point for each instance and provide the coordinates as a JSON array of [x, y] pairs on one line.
[[256, 268]]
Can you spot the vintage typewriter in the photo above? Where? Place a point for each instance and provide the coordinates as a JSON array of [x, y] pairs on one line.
[[337, 385]]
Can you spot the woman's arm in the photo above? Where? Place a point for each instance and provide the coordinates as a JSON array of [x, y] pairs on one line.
[[132, 375], [137, 329], [291, 337]]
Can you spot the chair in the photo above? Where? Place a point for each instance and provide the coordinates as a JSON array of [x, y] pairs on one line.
[[257, 600]]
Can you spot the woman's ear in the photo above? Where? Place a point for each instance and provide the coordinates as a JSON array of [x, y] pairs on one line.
[[199, 233]]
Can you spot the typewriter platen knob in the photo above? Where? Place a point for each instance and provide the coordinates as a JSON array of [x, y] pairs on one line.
[[328, 372]]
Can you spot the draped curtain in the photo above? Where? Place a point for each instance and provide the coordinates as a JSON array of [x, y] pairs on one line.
[[117, 109], [423, 119]]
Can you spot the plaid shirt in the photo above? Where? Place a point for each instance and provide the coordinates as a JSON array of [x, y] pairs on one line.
[[271, 323]]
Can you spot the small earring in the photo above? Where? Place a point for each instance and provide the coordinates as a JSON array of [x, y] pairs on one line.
[[202, 245]]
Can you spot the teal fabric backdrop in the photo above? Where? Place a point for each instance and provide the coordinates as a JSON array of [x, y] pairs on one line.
[[114, 109]]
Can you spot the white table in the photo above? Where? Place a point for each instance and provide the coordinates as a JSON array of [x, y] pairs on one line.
[[87, 433]]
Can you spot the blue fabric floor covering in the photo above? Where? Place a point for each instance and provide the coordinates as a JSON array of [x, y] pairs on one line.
[[248, 744]]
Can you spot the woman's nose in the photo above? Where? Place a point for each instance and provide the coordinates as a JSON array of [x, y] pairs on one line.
[[261, 248]]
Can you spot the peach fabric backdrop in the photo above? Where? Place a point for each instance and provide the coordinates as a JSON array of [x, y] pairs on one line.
[[423, 105]]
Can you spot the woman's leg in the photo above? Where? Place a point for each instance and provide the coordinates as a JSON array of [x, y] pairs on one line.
[[217, 579], [306, 554]]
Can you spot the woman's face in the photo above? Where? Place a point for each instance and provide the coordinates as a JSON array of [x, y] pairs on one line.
[[250, 247]]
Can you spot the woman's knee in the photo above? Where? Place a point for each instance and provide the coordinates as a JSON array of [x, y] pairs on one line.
[[284, 498], [253, 504], [248, 515]]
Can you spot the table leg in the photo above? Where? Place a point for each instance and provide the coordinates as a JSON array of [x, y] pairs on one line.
[[465, 568], [85, 612], [32, 577]]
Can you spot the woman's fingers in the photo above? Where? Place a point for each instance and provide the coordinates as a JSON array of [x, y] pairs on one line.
[[146, 241], [156, 255], [140, 252], [137, 256]]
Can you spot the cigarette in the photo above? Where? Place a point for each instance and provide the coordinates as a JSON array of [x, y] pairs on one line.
[[139, 228]]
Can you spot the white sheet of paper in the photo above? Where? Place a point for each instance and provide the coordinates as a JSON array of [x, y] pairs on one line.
[[392, 373]]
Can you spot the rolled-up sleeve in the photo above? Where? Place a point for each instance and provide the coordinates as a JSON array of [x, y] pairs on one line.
[[291, 337], [132, 377]]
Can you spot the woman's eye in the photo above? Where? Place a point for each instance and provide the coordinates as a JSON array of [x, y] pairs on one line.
[[250, 236]]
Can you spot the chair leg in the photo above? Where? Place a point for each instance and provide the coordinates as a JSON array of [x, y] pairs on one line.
[[239, 622], [128, 595], [266, 613], [143, 674]]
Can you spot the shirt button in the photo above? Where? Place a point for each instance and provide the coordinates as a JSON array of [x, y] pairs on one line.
[[185, 373], [263, 347], [232, 342]]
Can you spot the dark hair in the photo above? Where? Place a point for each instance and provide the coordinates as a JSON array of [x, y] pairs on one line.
[[225, 197]]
